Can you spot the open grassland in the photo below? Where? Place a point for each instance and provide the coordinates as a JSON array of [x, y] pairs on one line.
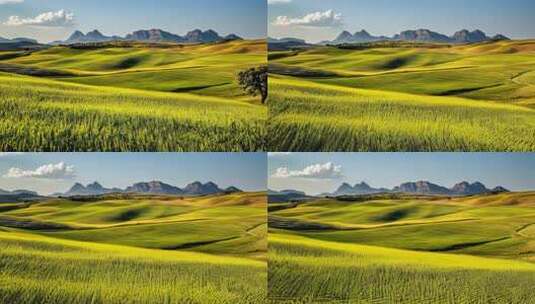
[[478, 249], [136, 98], [303, 270], [225, 224], [461, 98], [136, 249], [38, 269]]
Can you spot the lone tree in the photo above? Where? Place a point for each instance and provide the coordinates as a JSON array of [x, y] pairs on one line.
[[254, 81]]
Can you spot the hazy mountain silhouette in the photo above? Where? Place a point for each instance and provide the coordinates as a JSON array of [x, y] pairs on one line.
[[152, 35], [420, 35], [420, 187], [153, 187]]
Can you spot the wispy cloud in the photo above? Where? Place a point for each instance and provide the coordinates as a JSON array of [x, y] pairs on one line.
[[327, 18], [49, 171], [272, 2], [10, 1], [317, 171], [3, 154], [276, 154], [61, 18]]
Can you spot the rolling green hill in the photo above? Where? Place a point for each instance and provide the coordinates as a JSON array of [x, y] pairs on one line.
[[454, 98], [131, 97], [146, 249], [477, 249]]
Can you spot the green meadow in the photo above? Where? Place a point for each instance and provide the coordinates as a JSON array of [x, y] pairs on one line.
[[478, 97], [411, 249], [135, 249], [131, 97]]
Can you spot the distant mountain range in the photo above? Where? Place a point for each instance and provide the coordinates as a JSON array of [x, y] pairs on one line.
[[284, 44], [286, 40], [286, 196], [421, 187], [420, 35], [152, 35], [154, 187], [15, 40], [18, 44], [17, 195], [18, 192]]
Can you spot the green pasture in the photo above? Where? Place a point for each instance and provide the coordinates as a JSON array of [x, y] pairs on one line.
[[304, 270], [138, 98], [404, 99], [39, 269], [477, 249], [141, 249]]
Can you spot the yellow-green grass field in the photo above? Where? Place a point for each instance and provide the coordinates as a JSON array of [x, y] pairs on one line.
[[135, 249], [413, 249], [131, 97], [459, 98]]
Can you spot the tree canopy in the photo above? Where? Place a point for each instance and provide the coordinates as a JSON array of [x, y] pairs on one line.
[[254, 81]]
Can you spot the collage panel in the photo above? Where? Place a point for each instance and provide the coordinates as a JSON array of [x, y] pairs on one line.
[[133, 228], [387, 76], [115, 76], [401, 228], [135, 163]]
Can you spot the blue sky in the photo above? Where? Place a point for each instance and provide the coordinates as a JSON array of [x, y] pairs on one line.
[[513, 18], [323, 172], [246, 18], [52, 172]]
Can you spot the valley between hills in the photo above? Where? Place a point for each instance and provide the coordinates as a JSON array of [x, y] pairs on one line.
[[148, 91], [413, 245], [418, 91], [150, 243]]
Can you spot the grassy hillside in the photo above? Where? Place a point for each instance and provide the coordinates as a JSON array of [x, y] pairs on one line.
[[39, 269], [304, 270], [476, 249], [131, 98], [460, 98], [141, 249]]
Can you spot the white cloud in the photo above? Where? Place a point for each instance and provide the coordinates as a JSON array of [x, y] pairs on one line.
[[278, 1], [60, 18], [49, 171], [317, 171], [275, 154], [318, 19], [2, 154], [10, 1]]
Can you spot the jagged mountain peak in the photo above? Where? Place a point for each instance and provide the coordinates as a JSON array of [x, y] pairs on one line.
[[152, 35], [421, 187], [151, 187], [419, 35]]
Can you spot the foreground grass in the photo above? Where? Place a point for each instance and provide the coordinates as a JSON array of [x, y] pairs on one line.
[[303, 270], [460, 98], [132, 97], [308, 116], [409, 249], [38, 269], [135, 249], [46, 115]]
